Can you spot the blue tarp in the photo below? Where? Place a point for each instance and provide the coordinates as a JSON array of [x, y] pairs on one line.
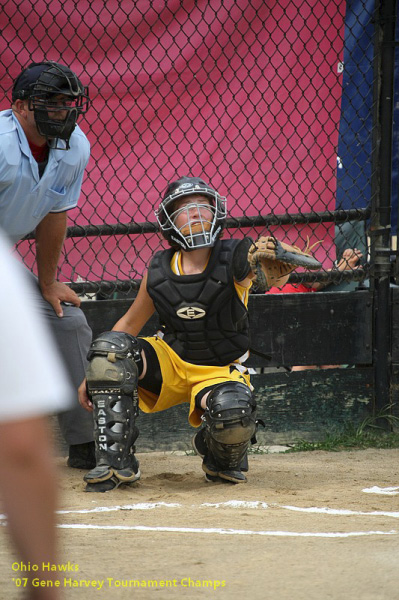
[[354, 167]]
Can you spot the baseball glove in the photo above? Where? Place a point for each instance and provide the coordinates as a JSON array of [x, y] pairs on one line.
[[272, 261]]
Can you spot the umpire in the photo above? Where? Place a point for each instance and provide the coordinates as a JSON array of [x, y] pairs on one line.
[[43, 155]]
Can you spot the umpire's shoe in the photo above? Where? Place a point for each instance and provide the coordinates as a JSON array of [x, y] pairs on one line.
[[82, 456]]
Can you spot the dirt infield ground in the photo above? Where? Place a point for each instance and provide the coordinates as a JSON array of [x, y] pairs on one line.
[[303, 527]]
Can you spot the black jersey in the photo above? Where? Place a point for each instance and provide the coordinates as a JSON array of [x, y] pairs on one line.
[[202, 318]]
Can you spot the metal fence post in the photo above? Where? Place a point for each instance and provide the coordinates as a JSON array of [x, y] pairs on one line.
[[381, 221]]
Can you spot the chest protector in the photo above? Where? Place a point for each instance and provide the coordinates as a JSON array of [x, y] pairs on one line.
[[202, 318]]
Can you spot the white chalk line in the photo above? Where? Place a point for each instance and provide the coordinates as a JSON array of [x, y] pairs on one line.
[[343, 512], [236, 504], [242, 504], [219, 531], [388, 491], [139, 506]]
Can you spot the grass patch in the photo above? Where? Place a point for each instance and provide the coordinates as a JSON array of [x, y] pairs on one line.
[[348, 441], [371, 433]]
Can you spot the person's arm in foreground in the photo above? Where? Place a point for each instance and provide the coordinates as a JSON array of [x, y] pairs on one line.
[[29, 497]]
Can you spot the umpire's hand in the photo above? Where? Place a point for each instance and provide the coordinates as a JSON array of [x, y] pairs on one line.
[[58, 292]]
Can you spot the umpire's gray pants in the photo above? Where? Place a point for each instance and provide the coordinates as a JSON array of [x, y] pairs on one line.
[[73, 338]]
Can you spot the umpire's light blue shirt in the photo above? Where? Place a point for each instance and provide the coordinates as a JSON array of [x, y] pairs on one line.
[[25, 199]]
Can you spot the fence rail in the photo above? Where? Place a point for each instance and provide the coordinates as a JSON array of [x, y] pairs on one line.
[[275, 104]]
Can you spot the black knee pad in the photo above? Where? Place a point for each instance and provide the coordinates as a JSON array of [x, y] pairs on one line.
[[117, 345], [231, 413], [113, 363], [230, 420]]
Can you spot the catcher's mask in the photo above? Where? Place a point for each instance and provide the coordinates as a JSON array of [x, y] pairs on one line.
[[52, 88], [199, 232]]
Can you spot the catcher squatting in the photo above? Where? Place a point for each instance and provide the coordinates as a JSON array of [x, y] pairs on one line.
[[199, 287]]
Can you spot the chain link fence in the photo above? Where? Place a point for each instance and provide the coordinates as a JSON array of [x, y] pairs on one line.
[[272, 103]]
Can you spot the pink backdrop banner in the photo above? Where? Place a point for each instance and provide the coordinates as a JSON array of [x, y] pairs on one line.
[[243, 93]]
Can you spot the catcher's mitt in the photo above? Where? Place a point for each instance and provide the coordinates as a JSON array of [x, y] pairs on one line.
[[273, 261]]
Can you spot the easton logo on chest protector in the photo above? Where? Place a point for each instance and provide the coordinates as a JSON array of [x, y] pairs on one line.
[[190, 312]]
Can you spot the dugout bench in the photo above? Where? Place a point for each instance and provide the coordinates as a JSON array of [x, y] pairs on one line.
[[333, 328]]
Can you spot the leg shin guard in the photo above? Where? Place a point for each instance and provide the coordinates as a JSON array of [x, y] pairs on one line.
[[230, 420], [112, 377]]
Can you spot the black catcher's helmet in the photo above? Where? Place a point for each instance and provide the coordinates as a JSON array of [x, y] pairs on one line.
[[42, 83], [200, 233]]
